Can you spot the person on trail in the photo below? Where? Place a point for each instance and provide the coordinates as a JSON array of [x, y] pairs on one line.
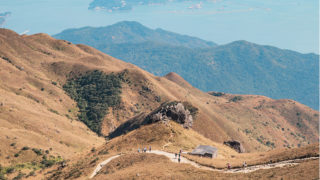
[[180, 151], [138, 150], [179, 159], [149, 148], [229, 166], [179, 155], [244, 164], [145, 149], [175, 155]]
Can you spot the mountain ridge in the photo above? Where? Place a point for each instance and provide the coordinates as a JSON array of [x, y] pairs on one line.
[[40, 120], [240, 67], [136, 32]]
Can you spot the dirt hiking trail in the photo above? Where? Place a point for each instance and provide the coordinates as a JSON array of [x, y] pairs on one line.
[[247, 169]]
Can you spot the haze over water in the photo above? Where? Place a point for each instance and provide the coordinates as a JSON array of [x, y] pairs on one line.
[[287, 24]]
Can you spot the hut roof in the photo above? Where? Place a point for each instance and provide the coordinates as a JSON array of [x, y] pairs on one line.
[[203, 149]]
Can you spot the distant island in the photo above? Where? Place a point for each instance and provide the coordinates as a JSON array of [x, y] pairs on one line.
[[122, 5], [3, 17]]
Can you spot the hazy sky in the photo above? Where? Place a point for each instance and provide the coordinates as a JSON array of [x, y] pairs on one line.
[[288, 24]]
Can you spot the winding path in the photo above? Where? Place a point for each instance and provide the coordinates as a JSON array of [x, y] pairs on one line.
[[248, 169], [98, 168]]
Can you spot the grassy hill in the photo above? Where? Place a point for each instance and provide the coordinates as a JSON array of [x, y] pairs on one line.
[[171, 138], [36, 111], [239, 67]]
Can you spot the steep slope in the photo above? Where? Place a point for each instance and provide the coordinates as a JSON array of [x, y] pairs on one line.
[[258, 122], [240, 67], [34, 110]]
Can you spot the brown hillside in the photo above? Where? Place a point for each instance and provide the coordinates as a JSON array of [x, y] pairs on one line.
[[174, 77], [35, 110], [171, 138]]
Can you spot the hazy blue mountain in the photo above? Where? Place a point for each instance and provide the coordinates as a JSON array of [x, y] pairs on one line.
[[129, 32], [240, 67]]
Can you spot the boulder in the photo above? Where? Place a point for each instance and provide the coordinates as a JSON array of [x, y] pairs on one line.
[[175, 112]]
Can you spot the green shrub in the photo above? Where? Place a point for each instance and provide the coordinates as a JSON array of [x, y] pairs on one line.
[[217, 94], [48, 162], [54, 111], [236, 99], [19, 176], [2, 176], [299, 125], [94, 92], [247, 131], [25, 148], [37, 151], [103, 152], [32, 173], [9, 170]]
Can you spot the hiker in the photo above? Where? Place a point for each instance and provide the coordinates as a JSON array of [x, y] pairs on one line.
[[229, 166], [149, 148], [175, 155], [179, 159], [179, 155], [145, 149], [138, 150], [180, 151], [244, 164]]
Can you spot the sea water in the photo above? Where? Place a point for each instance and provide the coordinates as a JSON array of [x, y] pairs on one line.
[[287, 24]]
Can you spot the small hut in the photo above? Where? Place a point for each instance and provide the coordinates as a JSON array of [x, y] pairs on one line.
[[205, 151]]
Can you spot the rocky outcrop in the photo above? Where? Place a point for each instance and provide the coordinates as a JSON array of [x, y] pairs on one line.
[[175, 112], [180, 112], [236, 145]]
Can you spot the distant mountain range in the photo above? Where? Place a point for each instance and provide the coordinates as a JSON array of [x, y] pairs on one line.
[[240, 67], [128, 32]]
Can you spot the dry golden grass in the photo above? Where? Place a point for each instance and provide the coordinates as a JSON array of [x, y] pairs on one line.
[[175, 137], [167, 137], [236, 160], [149, 166], [34, 111], [44, 59]]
